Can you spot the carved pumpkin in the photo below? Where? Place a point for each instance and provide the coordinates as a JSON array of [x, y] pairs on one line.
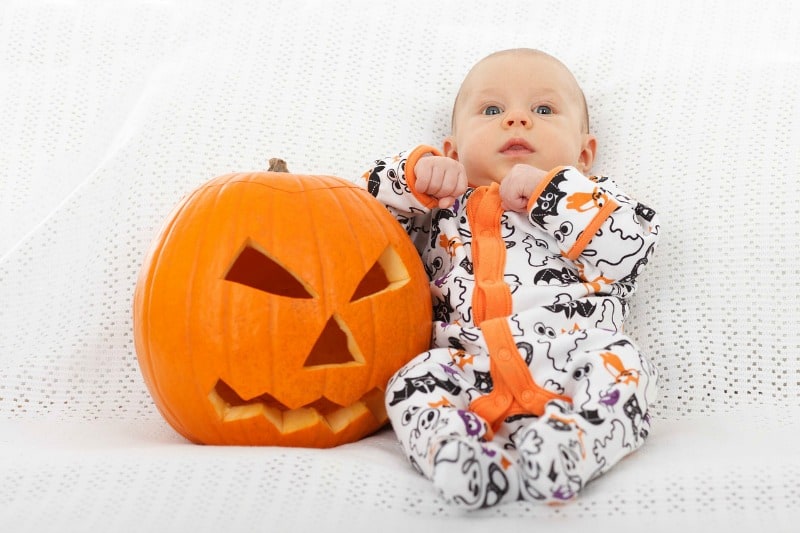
[[273, 308]]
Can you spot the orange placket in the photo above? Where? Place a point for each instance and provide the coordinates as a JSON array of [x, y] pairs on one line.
[[491, 297], [514, 390]]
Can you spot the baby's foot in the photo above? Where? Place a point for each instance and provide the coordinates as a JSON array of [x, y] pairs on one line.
[[552, 459], [474, 474]]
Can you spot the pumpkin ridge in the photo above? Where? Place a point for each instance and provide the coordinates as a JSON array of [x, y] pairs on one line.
[[143, 299], [217, 201]]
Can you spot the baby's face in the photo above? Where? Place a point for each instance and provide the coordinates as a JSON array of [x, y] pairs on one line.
[[519, 108]]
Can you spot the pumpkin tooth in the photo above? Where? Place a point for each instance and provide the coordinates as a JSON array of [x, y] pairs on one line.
[[374, 400], [297, 419], [240, 412], [341, 418]]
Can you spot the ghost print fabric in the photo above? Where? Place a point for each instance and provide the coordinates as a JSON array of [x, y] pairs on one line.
[[530, 389]]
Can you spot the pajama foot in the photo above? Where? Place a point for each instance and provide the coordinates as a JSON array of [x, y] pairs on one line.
[[552, 454], [474, 474]]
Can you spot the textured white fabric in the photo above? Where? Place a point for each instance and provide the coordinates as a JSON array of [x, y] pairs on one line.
[[110, 113]]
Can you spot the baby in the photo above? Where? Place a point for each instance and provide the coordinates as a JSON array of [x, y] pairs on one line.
[[530, 388]]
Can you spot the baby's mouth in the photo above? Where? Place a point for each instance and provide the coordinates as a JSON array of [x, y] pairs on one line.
[[516, 147]]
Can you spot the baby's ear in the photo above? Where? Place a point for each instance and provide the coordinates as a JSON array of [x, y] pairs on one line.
[[588, 153], [449, 148]]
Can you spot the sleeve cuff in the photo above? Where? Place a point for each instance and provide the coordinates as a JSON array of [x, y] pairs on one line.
[[540, 188], [591, 229], [411, 179], [572, 207]]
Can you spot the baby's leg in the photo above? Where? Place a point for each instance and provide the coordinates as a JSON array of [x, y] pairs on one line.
[[428, 405], [611, 386]]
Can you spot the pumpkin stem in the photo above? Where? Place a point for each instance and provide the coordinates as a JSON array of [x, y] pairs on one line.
[[277, 165]]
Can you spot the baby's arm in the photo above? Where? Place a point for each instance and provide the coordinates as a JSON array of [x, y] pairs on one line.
[[415, 181], [607, 234]]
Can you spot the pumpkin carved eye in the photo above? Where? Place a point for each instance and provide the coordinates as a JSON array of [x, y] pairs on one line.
[[388, 273], [256, 269]]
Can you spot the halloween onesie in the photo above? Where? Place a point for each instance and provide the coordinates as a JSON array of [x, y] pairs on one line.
[[530, 390]]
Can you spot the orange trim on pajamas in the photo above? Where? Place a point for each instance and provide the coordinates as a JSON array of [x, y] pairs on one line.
[[425, 199], [537, 192], [591, 230], [514, 391], [491, 296]]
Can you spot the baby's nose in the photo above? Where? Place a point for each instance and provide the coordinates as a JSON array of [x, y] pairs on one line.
[[517, 118]]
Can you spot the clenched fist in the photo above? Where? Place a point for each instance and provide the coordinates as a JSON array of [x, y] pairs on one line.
[[518, 185], [441, 177]]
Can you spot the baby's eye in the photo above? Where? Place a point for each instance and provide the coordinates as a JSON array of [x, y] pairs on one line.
[[543, 110], [492, 110]]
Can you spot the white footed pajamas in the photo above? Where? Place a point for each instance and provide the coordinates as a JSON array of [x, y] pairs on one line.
[[530, 390]]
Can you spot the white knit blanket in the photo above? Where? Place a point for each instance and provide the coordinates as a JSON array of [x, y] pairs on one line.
[[110, 113]]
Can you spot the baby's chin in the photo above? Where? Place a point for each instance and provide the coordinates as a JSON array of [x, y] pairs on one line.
[[544, 166], [485, 180]]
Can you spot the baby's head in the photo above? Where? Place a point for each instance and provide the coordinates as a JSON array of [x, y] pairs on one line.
[[519, 106]]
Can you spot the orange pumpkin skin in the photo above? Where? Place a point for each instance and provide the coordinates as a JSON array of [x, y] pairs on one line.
[[272, 309]]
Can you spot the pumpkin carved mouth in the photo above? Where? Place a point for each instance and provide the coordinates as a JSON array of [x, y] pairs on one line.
[[231, 407]]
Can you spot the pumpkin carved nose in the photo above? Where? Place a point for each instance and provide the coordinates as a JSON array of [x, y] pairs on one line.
[[335, 346]]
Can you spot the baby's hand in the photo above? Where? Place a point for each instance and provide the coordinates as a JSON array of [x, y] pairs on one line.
[[441, 177], [518, 185]]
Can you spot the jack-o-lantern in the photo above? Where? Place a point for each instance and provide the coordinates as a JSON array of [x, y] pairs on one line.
[[273, 308]]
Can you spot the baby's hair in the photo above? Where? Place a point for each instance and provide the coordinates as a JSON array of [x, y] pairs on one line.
[[530, 51]]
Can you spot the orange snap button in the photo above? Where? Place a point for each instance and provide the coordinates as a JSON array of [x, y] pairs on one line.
[[528, 396], [503, 354], [501, 399]]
